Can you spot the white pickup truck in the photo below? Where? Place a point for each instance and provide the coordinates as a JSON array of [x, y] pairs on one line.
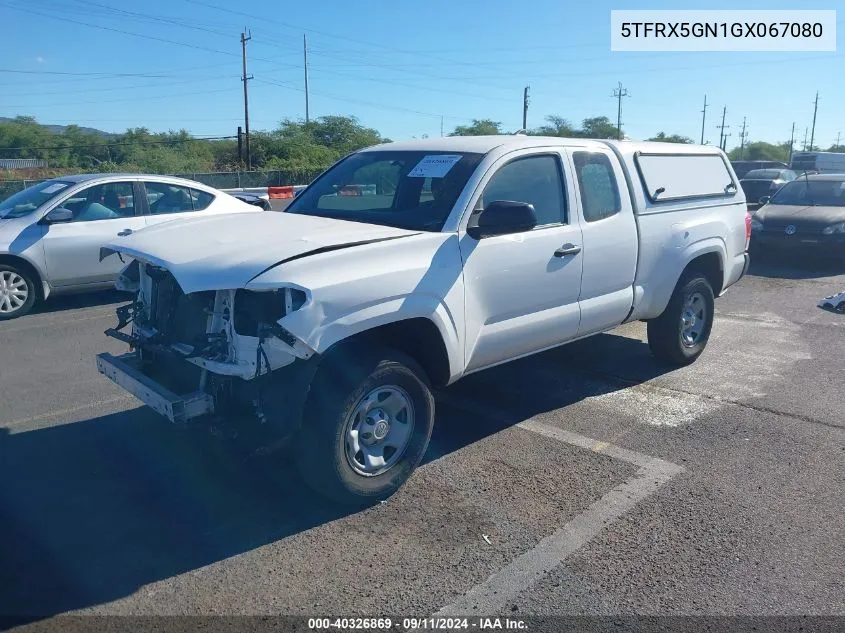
[[406, 266]]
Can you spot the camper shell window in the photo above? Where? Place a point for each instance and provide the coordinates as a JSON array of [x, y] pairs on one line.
[[673, 177]]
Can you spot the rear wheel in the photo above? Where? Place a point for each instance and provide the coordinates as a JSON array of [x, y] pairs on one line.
[[366, 424], [680, 334], [17, 292]]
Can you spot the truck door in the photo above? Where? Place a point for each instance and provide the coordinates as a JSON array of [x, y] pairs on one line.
[[522, 289], [610, 240]]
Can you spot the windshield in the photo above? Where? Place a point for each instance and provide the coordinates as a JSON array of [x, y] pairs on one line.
[[819, 193], [409, 190], [26, 201]]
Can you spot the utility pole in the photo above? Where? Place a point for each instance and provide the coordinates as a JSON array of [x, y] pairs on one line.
[[838, 136], [791, 142], [722, 128], [305, 64], [813, 131], [525, 109], [441, 125], [703, 117], [240, 143], [805, 139], [742, 138], [619, 93], [245, 78], [725, 143]]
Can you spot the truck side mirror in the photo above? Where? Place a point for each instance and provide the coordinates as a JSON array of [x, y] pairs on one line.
[[502, 217]]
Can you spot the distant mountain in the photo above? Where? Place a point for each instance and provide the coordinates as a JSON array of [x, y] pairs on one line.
[[60, 129]]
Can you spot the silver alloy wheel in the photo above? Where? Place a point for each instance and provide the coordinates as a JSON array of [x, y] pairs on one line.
[[693, 319], [378, 430], [14, 291]]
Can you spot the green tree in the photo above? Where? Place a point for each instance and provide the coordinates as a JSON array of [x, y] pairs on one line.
[[555, 126], [670, 138], [598, 127], [760, 150], [479, 127]]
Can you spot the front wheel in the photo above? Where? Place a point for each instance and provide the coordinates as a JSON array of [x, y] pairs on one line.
[[366, 425], [680, 334], [17, 292]]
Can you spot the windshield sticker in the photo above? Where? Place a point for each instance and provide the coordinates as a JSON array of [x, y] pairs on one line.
[[435, 166], [54, 188]]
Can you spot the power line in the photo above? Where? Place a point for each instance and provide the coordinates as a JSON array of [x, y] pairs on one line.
[[147, 98], [121, 31], [332, 35], [134, 34], [391, 82], [346, 99], [117, 88]]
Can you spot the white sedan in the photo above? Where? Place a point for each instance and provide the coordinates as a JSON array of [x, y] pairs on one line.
[[51, 232]]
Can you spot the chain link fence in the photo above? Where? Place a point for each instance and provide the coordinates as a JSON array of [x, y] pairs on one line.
[[218, 180]]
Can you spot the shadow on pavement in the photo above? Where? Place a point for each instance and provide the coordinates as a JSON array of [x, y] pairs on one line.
[[94, 510], [81, 300]]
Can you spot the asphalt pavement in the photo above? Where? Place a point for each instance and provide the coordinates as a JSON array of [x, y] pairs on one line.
[[589, 480]]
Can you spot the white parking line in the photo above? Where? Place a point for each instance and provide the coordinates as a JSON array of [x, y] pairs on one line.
[[491, 596]]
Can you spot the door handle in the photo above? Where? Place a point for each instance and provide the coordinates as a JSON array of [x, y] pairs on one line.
[[125, 232], [567, 249]]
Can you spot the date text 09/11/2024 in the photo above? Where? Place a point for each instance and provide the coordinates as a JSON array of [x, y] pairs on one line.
[[418, 624]]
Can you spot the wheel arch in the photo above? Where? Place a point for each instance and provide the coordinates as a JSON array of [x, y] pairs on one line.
[[42, 288], [419, 337], [706, 256]]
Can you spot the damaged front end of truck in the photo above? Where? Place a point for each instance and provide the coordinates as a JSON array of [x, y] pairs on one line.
[[211, 354]]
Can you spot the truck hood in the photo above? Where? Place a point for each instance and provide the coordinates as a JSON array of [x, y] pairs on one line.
[[227, 251]]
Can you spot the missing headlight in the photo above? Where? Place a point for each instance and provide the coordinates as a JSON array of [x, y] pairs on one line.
[[254, 308]]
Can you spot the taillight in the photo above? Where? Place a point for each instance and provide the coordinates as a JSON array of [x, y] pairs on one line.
[[747, 229]]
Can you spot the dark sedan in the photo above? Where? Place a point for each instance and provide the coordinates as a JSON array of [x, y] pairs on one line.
[[759, 183], [807, 213]]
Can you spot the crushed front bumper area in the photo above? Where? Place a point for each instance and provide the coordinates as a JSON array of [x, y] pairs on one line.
[[124, 371]]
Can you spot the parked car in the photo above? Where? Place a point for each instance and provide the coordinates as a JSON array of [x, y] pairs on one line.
[[253, 199], [758, 183], [807, 213], [329, 324], [51, 232], [742, 167]]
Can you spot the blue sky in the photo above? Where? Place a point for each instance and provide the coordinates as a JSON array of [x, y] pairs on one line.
[[397, 66]]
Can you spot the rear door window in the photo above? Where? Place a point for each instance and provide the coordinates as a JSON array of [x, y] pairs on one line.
[[597, 184], [164, 198]]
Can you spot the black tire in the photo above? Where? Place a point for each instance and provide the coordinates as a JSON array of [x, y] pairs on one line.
[[665, 332], [343, 379], [31, 289]]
